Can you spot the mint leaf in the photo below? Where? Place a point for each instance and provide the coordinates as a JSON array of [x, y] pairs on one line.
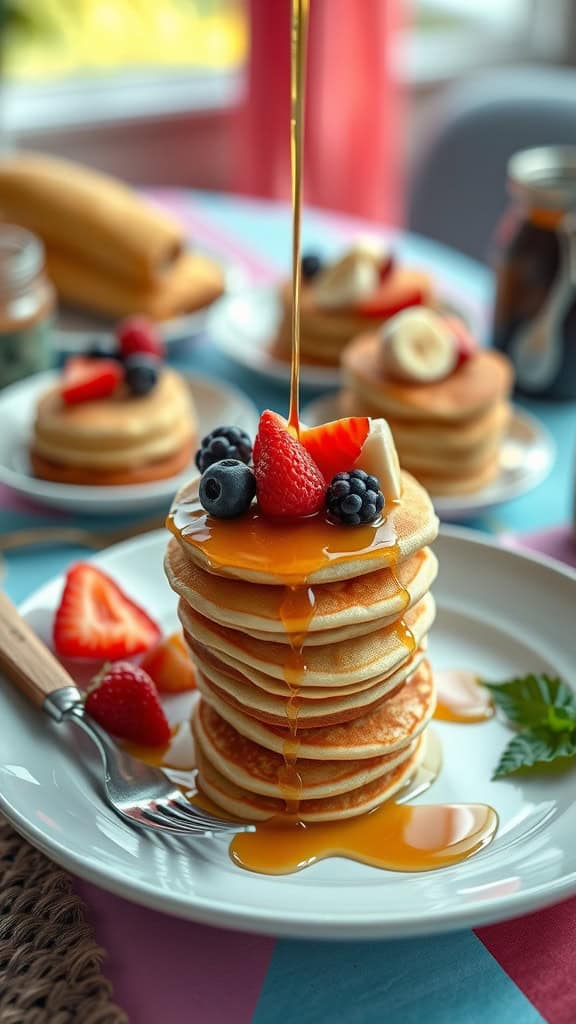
[[536, 700], [535, 746]]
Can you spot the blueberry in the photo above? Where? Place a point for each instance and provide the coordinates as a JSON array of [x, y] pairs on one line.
[[311, 265], [354, 498], [142, 373], [223, 443], [227, 489]]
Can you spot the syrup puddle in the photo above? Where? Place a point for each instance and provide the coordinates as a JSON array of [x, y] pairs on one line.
[[461, 698]]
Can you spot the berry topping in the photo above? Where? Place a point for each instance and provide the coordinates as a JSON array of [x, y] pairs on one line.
[[355, 498], [418, 347], [170, 666], [87, 380], [142, 374], [387, 265], [466, 344], [97, 620], [398, 289], [227, 489], [136, 334], [311, 265], [337, 444], [124, 701], [379, 458], [224, 443], [288, 482]]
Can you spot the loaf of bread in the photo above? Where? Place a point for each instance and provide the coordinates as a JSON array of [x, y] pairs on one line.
[[89, 215]]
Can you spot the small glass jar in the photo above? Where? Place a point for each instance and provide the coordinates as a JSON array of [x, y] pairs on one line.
[[535, 306], [27, 304]]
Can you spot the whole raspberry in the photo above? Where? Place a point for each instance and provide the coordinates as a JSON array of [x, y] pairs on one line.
[[289, 484]]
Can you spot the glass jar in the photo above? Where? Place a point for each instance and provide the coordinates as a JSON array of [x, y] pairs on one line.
[[535, 305], [27, 303]]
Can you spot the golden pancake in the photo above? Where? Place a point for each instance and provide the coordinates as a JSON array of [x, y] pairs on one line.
[[162, 469], [396, 721], [313, 713], [310, 551], [248, 806], [445, 485], [257, 608], [258, 770], [472, 388], [382, 651]]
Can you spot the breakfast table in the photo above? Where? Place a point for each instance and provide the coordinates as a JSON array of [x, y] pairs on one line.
[[175, 971]]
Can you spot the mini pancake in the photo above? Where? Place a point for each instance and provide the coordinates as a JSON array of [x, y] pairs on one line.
[[318, 552], [394, 723], [256, 769], [474, 387], [257, 608], [279, 688], [366, 657], [248, 806], [163, 469], [446, 485], [313, 713]]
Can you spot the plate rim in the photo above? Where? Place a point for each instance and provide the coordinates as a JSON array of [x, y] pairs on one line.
[[51, 491], [465, 506], [367, 924]]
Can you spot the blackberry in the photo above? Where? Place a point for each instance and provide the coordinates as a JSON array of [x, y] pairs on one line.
[[227, 489], [223, 443], [354, 498], [311, 265]]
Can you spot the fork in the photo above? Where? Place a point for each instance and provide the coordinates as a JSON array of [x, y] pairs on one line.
[[138, 793]]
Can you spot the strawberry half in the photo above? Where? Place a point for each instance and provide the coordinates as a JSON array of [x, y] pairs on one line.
[[336, 446], [400, 289], [289, 484], [86, 379], [96, 619], [124, 701]]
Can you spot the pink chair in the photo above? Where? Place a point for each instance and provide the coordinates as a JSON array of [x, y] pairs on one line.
[[353, 157]]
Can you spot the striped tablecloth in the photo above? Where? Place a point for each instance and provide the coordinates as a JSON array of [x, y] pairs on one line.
[[167, 971]]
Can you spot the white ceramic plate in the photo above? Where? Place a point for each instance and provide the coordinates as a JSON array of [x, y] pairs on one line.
[[500, 613], [78, 330], [244, 324], [215, 403], [526, 458]]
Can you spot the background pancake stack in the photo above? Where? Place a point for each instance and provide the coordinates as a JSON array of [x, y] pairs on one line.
[[447, 433], [347, 698]]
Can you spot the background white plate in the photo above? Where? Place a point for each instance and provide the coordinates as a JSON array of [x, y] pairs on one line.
[[244, 323], [215, 404], [500, 613], [77, 330], [526, 458]]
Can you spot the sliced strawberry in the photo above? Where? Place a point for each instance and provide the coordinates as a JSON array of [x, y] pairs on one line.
[[335, 446], [87, 379], [289, 484], [170, 666], [400, 289], [96, 619], [124, 701]]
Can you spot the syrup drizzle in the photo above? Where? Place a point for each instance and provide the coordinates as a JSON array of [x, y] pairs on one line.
[[461, 698], [299, 40]]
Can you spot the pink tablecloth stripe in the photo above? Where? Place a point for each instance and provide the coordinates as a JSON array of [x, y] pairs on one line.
[[165, 969]]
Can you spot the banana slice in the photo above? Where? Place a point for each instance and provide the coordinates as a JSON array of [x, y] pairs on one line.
[[353, 278], [418, 346], [380, 458]]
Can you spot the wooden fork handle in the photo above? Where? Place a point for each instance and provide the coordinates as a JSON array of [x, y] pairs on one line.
[[25, 659]]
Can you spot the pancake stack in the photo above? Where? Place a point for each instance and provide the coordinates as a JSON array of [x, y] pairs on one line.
[[448, 433], [313, 660], [117, 440]]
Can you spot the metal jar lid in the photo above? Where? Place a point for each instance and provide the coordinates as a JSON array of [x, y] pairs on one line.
[[544, 176]]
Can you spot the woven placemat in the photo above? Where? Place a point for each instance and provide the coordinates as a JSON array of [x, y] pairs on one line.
[[49, 961]]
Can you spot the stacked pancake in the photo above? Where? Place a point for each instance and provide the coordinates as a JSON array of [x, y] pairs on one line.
[[325, 672], [107, 249], [448, 432], [121, 439]]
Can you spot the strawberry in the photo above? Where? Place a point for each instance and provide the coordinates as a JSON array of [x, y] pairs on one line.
[[466, 344], [170, 666], [400, 289], [88, 379], [97, 620], [124, 701], [137, 336], [336, 446], [288, 482]]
